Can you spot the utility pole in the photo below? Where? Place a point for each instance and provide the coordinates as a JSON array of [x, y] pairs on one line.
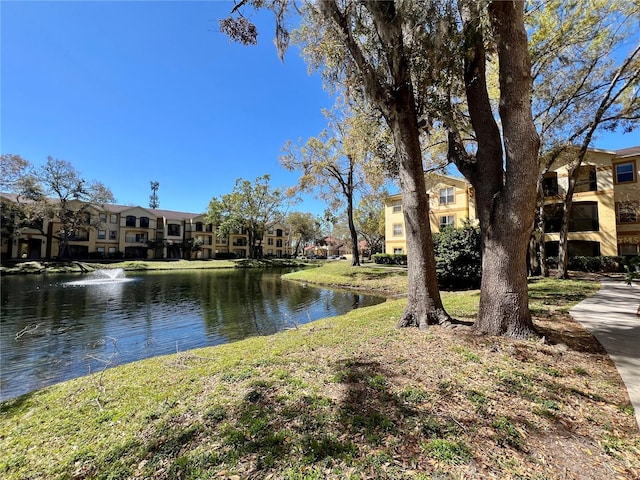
[[154, 201]]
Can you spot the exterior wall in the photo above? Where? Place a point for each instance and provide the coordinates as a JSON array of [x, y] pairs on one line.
[[456, 205], [605, 193], [137, 227], [394, 231], [239, 244], [597, 184], [276, 241], [198, 228], [627, 200]]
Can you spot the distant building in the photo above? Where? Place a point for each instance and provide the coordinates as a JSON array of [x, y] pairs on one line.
[[120, 231]]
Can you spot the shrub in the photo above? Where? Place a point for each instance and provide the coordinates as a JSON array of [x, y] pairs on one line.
[[389, 259], [596, 264], [225, 256], [458, 257]]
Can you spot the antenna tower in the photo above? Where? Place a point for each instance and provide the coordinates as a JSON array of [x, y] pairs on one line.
[[154, 201]]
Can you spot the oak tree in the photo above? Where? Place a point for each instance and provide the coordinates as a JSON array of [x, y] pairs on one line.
[[250, 208]]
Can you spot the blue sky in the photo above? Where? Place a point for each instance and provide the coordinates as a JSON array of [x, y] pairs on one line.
[[131, 92]]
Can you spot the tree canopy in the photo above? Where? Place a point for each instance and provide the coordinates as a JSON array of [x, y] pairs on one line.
[[250, 207]]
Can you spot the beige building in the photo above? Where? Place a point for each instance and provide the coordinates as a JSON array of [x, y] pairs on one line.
[[451, 203], [119, 231], [605, 217]]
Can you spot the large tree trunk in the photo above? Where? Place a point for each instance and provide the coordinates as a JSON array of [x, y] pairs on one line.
[[395, 99], [505, 200], [424, 305], [504, 296]]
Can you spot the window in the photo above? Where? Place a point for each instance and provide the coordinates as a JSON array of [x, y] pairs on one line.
[[279, 232], [113, 234], [279, 243], [446, 196], [270, 231], [100, 250], [144, 222], [550, 184], [102, 217], [584, 217], [173, 230], [447, 221], [628, 249], [587, 180], [198, 226], [269, 241], [397, 206], [131, 221], [102, 234], [627, 212], [624, 172], [113, 218], [398, 251], [112, 249], [397, 229]]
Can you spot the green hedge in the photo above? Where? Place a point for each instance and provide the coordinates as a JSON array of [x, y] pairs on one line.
[[592, 264], [458, 257], [389, 259]]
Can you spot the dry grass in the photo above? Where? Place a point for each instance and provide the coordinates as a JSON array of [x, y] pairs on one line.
[[346, 397]]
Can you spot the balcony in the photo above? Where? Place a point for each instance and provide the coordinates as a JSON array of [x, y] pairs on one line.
[[80, 237], [135, 239]]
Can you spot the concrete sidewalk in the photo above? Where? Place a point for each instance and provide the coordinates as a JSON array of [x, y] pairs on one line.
[[611, 315]]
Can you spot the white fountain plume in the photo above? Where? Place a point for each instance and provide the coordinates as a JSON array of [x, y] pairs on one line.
[[103, 276]]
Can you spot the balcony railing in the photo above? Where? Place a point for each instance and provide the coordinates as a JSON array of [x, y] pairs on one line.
[[129, 239]]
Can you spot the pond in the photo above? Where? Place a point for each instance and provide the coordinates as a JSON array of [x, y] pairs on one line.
[[54, 328]]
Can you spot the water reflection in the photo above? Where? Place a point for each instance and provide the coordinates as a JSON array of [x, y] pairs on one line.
[[53, 331]]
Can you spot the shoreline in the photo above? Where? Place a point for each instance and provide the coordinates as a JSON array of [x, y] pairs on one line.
[[27, 267]]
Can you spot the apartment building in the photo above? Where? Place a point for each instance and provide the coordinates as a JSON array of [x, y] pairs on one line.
[[605, 214], [451, 203], [605, 217], [119, 231]]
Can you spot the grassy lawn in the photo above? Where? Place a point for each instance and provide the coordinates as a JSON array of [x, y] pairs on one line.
[[344, 397]]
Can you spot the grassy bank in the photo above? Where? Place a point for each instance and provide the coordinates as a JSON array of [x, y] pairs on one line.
[[344, 397], [388, 281], [139, 265]]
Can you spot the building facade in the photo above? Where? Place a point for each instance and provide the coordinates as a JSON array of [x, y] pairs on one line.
[[119, 231], [606, 204], [605, 217], [451, 203]]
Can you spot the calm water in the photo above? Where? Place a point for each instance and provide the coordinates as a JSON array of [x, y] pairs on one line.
[[52, 330]]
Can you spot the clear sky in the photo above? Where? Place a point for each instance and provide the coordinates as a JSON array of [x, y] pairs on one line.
[[131, 92]]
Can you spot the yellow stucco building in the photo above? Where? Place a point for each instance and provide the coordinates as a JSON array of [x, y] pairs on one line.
[[451, 203], [119, 231], [605, 218]]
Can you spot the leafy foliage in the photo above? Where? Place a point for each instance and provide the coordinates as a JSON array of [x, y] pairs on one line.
[[458, 257], [249, 207], [304, 228], [55, 192], [369, 220]]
